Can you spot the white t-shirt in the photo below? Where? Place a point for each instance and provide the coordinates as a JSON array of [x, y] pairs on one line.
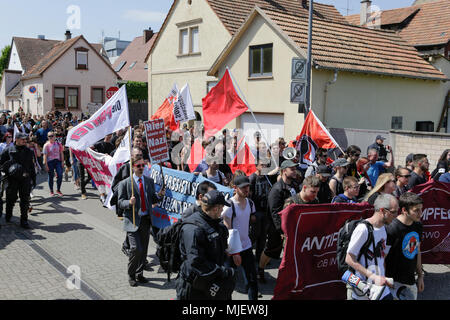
[[240, 222], [359, 237]]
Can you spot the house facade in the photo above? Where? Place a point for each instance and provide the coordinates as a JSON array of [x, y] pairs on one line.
[[193, 35], [48, 75]]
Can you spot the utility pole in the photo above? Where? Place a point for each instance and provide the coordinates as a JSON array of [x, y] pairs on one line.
[[307, 106]]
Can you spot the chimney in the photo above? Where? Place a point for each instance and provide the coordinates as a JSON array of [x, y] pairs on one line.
[[365, 11], [148, 34], [68, 35]]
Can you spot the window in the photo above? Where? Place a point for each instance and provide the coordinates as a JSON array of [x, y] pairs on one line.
[[189, 41], [397, 123], [98, 95], [72, 98], [59, 97], [81, 58], [120, 66], [261, 60], [66, 97], [194, 40], [132, 65], [184, 41]]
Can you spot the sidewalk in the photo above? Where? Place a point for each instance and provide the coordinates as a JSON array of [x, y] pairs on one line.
[[68, 232]]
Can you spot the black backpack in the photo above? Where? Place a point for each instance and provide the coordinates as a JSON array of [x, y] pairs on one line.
[[345, 233], [168, 248]]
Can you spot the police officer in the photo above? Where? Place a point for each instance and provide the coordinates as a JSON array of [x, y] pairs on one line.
[[16, 162], [203, 242]]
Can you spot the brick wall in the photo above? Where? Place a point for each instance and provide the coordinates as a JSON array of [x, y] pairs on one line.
[[431, 144]]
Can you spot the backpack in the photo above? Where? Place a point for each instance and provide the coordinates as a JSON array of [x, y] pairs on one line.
[[345, 233], [168, 247]]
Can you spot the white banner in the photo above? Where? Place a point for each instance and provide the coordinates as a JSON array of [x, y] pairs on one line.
[[112, 117], [183, 108]]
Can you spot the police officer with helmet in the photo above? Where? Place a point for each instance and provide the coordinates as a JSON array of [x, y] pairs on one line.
[[16, 162]]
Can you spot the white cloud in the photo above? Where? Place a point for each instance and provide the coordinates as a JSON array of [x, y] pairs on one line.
[[144, 16]]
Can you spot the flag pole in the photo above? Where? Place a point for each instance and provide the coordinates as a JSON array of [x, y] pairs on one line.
[[253, 115], [131, 174]]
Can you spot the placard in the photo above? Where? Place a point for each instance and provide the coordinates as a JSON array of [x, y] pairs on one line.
[[155, 133]]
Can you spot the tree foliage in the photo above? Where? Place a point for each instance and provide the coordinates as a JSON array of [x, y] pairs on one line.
[[137, 90], [4, 58]]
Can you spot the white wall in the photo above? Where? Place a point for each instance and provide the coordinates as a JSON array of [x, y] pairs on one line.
[[14, 61]]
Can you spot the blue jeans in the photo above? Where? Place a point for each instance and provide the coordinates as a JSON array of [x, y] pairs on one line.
[[52, 166]]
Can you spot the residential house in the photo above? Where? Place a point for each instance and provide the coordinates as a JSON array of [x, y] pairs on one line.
[[131, 65], [361, 78], [424, 25], [114, 47], [45, 75], [193, 35]]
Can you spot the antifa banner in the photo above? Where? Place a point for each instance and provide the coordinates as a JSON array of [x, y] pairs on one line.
[[181, 188], [435, 246], [309, 266]]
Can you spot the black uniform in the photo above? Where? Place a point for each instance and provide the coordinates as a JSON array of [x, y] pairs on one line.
[[203, 276], [17, 163]]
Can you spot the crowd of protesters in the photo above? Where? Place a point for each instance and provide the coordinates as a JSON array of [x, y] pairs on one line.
[[279, 178]]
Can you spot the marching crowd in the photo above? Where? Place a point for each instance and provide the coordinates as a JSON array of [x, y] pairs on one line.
[[33, 145]]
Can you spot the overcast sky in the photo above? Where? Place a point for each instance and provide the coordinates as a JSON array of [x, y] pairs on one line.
[[51, 18]]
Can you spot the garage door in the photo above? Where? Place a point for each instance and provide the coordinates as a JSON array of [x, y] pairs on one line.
[[272, 126]]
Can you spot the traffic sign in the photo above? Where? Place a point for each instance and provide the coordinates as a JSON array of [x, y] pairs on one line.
[[110, 92], [298, 69], [298, 92]]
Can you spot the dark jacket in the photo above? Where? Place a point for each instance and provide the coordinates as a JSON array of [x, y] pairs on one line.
[[203, 242], [279, 193], [18, 155]]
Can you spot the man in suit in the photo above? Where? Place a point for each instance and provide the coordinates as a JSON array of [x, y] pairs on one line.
[[137, 217]]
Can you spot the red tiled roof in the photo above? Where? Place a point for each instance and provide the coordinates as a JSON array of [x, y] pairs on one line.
[[356, 49], [234, 12], [430, 24], [388, 17], [136, 51], [37, 55]]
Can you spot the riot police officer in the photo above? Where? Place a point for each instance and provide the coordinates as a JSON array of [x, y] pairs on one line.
[[203, 244], [16, 162]]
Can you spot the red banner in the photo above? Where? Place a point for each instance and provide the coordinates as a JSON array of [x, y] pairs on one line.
[[435, 246], [309, 266]]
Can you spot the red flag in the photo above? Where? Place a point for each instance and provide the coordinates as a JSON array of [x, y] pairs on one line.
[[165, 111], [221, 105], [197, 155], [244, 159], [314, 135]]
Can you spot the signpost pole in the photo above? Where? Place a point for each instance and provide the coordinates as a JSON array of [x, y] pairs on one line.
[[309, 62]]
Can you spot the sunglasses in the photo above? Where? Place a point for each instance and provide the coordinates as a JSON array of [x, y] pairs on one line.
[[51, 136], [139, 165], [405, 176]]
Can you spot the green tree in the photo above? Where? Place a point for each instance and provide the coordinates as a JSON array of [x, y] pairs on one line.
[[4, 58]]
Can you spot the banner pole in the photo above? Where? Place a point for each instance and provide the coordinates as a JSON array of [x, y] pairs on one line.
[[253, 115], [131, 174]]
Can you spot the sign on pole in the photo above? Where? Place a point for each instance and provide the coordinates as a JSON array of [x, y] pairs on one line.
[[157, 141], [298, 69], [111, 91], [298, 91]]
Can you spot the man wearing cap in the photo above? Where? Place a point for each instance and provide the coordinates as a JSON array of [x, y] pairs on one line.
[[238, 217], [382, 149], [340, 167], [16, 162], [281, 190], [321, 159], [203, 245]]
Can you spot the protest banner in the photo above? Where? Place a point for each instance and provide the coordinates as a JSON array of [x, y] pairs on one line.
[[112, 117], [309, 266], [155, 133], [181, 188], [435, 246], [97, 164], [183, 108]]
